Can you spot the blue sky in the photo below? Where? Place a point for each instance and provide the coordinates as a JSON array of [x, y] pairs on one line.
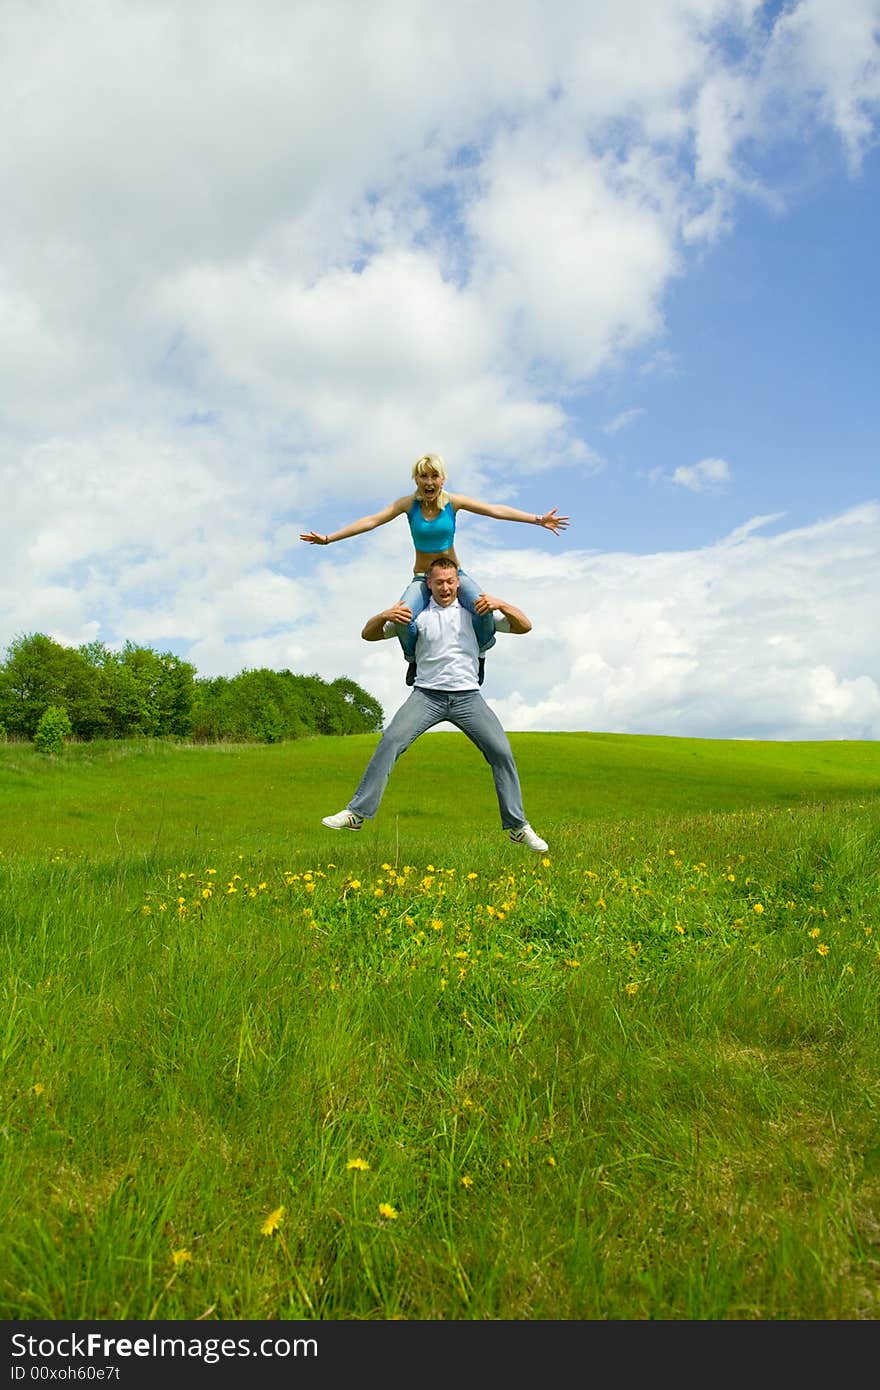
[[774, 340], [617, 259]]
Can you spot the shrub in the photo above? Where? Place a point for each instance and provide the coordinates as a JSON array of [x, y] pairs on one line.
[[53, 729]]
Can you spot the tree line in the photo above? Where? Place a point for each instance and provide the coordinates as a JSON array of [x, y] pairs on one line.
[[91, 692]]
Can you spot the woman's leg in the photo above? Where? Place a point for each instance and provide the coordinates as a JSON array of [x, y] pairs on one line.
[[484, 623], [415, 596]]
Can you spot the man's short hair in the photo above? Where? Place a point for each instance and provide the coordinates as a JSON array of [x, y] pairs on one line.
[[441, 562]]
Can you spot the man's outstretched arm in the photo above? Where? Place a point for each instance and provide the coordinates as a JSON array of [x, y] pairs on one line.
[[519, 623], [373, 629]]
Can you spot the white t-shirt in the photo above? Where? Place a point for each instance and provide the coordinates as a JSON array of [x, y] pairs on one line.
[[447, 651]]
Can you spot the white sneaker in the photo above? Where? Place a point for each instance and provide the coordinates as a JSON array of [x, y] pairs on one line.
[[343, 820], [526, 836]]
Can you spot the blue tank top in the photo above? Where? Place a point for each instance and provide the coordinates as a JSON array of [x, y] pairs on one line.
[[431, 536]]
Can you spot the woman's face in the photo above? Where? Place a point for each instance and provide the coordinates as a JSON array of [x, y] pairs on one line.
[[430, 484]]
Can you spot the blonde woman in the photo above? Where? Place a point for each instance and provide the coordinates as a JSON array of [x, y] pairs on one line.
[[431, 512]]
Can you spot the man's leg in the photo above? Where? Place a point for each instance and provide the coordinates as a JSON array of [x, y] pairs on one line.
[[470, 713], [420, 712]]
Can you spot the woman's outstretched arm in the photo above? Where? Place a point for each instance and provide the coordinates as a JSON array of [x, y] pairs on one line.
[[364, 523], [549, 520]]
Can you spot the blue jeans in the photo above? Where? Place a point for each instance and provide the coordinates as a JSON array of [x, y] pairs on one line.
[[468, 711], [417, 596]]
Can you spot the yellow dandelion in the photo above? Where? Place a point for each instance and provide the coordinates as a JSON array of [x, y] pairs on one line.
[[39, 1088], [551, 1161], [354, 883], [206, 893], [180, 1257], [358, 1165], [758, 908], [146, 910], [814, 932], [679, 928], [273, 1221], [460, 955], [546, 863], [823, 948], [471, 876], [573, 964], [210, 871], [437, 923], [632, 987], [387, 1211], [467, 1181]]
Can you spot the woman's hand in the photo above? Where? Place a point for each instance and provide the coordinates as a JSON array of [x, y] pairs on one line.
[[550, 521], [314, 539]]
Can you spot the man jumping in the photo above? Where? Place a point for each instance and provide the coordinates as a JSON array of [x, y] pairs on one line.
[[445, 689]]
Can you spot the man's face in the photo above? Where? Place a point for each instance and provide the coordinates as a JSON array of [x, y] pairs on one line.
[[443, 584]]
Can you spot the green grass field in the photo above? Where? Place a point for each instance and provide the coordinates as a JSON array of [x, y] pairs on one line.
[[256, 1070]]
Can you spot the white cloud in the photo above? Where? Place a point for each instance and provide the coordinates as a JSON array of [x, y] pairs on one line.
[[708, 475], [623, 420], [749, 638], [832, 50]]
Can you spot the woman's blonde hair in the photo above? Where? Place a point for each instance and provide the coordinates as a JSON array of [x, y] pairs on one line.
[[421, 466]]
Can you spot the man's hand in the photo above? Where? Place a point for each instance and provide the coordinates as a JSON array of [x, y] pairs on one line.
[[519, 623], [485, 603], [373, 628], [399, 613]]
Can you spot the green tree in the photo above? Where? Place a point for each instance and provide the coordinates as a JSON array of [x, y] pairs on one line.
[[39, 672], [148, 693], [367, 715], [53, 730], [272, 705]]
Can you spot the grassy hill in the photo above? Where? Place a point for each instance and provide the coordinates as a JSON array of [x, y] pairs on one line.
[[133, 796]]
